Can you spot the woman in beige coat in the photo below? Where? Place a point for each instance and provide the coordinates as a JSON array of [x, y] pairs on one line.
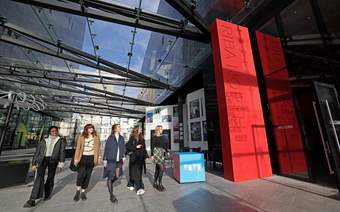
[[86, 158]]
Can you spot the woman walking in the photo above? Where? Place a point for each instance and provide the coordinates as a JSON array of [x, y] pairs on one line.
[[136, 148], [86, 158], [114, 153], [159, 147], [50, 153]]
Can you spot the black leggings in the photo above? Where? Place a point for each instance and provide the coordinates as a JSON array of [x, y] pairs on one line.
[[159, 170], [86, 165]]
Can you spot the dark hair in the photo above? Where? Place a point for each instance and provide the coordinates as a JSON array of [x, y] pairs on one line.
[[52, 127], [135, 134], [85, 133], [114, 127]]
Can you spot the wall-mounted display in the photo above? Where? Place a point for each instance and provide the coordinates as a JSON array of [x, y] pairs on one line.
[[194, 109], [166, 118], [196, 131], [205, 131], [175, 121], [149, 117]]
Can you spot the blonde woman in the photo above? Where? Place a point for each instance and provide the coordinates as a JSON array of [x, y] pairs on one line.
[[159, 146], [86, 158]]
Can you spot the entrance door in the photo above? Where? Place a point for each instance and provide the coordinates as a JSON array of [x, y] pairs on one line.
[[329, 125]]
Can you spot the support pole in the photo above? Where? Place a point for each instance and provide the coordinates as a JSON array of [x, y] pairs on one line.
[[9, 113]]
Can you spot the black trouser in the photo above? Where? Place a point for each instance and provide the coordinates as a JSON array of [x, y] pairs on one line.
[[159, 170], [37, 191], [86, 165], [136, 175], [130, 181]]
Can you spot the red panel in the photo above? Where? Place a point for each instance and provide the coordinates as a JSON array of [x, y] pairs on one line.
[[243, 137], [286, 129], [176, 171]]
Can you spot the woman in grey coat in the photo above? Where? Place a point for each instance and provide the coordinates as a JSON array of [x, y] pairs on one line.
[[114, 155]]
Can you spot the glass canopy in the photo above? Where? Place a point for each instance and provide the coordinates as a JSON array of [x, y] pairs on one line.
[[89, 63]]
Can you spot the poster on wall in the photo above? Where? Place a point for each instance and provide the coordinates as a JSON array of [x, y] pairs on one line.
[[205, 131], [149, 117], [196, 132], [166, 118], [194, 107], [175, 122]]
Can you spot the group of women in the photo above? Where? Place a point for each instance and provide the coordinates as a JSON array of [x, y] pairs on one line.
[[50, 154]]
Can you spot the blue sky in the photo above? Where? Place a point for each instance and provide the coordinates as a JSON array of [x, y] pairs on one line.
[[114, 42], [114, 39]]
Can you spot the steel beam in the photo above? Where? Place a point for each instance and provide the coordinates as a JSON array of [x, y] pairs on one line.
[[96, 113], [97, 106], [70, 90], [190, 13], [122, 15], [22, 71]]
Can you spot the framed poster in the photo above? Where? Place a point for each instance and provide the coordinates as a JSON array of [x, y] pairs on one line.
[[166, 118], [196, 131], [194, 107], [149, 117], [205, 131]]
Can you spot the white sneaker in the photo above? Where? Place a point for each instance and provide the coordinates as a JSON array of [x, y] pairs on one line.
[[140, 192], [131, 188]]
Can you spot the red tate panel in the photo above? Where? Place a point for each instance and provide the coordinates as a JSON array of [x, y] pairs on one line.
[[286, 129], [244, 142]]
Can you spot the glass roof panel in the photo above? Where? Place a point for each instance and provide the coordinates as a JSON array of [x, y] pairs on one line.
[[162, 57]]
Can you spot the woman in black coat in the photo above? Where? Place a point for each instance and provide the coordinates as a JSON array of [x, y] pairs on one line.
[[49, 154], [137, 151], [114, 155]]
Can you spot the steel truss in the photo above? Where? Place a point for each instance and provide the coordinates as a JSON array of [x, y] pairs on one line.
[[58, 49]]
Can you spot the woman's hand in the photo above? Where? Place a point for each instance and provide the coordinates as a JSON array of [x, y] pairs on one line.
[[34, 168], [152, 157], [76, 163], [139, 146], [61, 165]]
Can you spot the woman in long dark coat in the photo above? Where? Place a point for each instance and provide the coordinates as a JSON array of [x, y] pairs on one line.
[[137, 151], [114, 153]]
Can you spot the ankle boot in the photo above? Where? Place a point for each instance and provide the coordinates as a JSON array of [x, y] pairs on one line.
[[76, 196], [155, 184], [113, 198], [161, 187], [83, 196]]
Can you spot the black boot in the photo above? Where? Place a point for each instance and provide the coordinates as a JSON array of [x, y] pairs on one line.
[[29, 204], [83, 196], [161, 187], [76, 196], [113, 198], [155, 184]]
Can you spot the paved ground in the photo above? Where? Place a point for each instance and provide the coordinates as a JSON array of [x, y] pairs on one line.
[[216, 194]]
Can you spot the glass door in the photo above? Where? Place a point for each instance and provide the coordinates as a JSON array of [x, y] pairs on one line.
[[328, 116]]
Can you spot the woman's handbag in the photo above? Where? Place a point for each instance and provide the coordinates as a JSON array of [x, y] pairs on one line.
[[73, 167]]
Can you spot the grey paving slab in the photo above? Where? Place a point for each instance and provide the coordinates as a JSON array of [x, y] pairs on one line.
[[278, 194]]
